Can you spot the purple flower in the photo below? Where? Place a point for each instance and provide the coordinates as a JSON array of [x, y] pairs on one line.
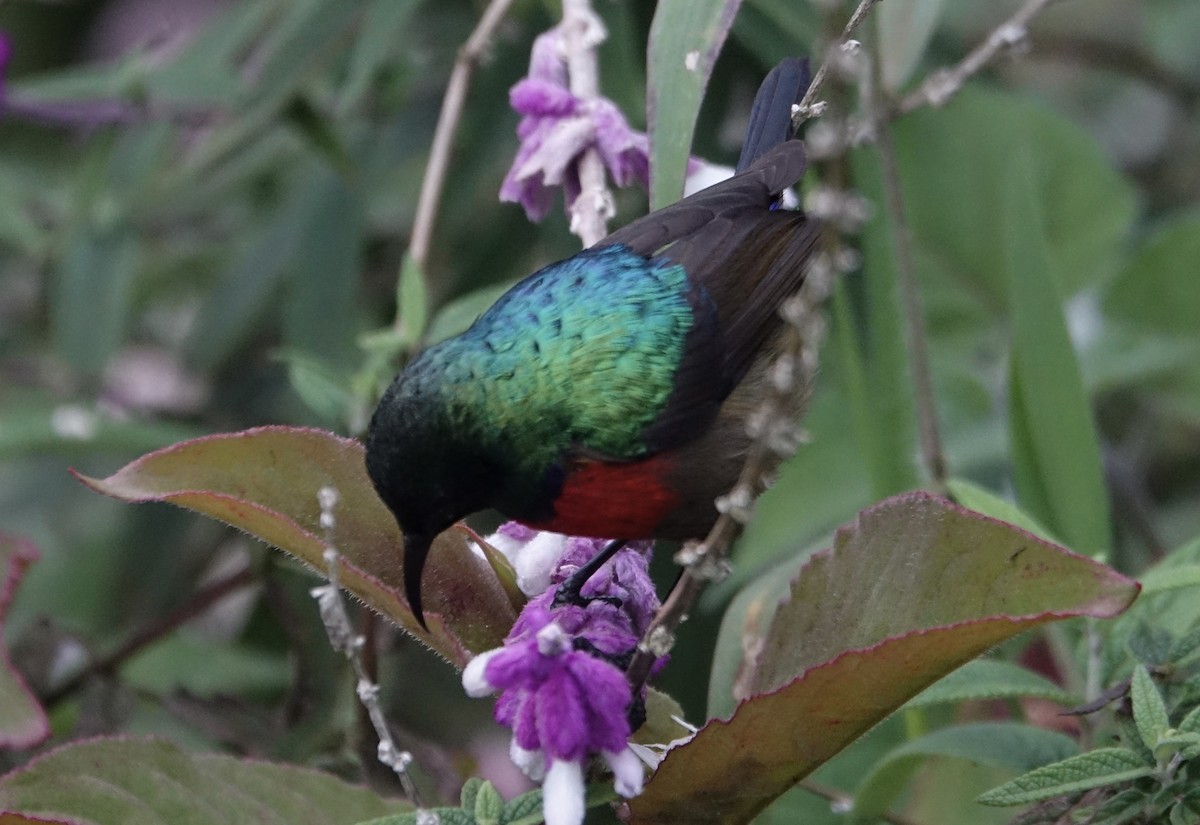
[[561, 673], [557, 127]]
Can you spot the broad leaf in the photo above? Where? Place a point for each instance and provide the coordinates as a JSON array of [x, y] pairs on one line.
[[955, 167], [23, 723], [685, 39], [155, 782], [265, 481], [1056, 450], [913, 589], [1159, 289]]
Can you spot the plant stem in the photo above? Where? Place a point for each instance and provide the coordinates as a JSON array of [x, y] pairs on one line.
[[594, 206], [942, 85], [932, 454], [198, 604], [469, 56]]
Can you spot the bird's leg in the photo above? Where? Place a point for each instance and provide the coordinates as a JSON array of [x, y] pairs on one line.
[[570, 591]]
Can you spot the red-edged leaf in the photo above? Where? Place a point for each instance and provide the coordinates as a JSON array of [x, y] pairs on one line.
[[23, 723], [265, 481], [154, 782], [913, 589]]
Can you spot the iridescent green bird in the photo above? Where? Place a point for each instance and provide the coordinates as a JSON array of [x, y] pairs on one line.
[[606, 395]]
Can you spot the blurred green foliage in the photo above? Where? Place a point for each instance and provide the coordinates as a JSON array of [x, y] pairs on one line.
[[204, 209]]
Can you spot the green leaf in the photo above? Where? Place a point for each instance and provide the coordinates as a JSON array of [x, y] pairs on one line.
[[526, 807], [1183, 815], [1191, 722], [318, 132], [913, 589], [94, 295], [445, 816], [1149, 709], [470, 790], [309, 32], [904, 29], [231, 311], [454, 317], [74, 430], [155, 782], [1125, 807], [324, 389], [1160, 580], [1095, 769], [1006, 745], [685, 38], [265, 481], [957, 170], [990, 679], [23, 723], [976, 498], [889, 436], [489, 805], [1184, 646], [322, 270], [413, 300], [383, 23], [1159, 290], [207, 71], [1056, 453]]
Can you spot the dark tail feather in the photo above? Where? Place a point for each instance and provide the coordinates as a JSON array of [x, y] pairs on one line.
[[771, 115]]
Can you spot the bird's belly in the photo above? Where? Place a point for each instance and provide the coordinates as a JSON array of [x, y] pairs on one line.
[[614, 500]]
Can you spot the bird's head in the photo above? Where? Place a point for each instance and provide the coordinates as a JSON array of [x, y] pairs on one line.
[[424, 469]]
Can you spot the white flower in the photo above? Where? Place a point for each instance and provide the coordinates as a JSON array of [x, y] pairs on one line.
[[562, 793]]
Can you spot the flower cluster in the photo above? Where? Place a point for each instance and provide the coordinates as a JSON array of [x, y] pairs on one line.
[[557, 127], [560, 673]]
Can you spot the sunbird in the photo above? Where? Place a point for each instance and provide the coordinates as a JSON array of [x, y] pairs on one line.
[[607, 395]]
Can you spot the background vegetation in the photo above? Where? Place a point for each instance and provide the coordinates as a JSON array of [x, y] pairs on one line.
[[203, 212]]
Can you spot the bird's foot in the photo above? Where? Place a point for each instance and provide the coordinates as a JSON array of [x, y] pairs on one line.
[[570, 592]]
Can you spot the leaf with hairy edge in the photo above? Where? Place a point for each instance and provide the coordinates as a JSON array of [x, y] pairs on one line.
[[685, 39], [1105, 766], [23, 723], [265, 481], [120, 781], [913, 589], [1149, 709]]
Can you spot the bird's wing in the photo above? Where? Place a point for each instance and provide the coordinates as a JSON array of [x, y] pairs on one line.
[[742, 258]]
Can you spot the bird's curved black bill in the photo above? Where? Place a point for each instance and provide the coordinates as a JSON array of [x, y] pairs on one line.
[[416, 550]]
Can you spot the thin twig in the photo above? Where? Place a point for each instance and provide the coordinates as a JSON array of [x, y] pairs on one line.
[[807, 103], [773, 427], [942, 85], [1109, 55], [346, 641], [198, 604], [932, 455], [434, 182], [583, 31], [844, 802]]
